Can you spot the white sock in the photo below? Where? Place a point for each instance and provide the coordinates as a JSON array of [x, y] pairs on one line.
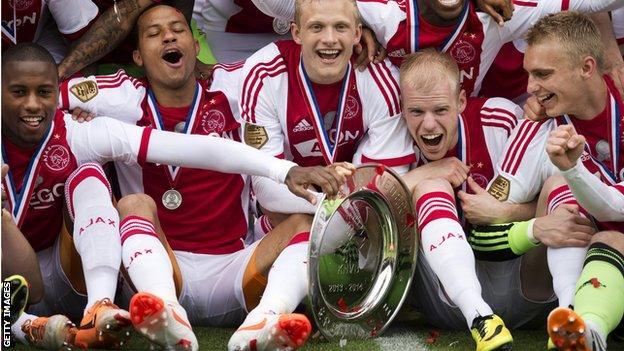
[[565, 263], [146, 259], [96, 231], [287, 283], [16, 328], [448, 253]]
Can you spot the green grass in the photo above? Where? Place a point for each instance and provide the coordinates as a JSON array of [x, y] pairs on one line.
[[403, 337]]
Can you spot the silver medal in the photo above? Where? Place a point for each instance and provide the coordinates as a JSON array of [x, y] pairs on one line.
[[281, 26], [172, 199], [179, 128]]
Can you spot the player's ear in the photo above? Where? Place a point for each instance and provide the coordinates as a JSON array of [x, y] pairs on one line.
[[462, 100], [358, 33], [590, 66], [295, 32], [136, 56]]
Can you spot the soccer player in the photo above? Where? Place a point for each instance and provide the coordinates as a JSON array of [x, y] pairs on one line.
[[599, 294], [459, 143], [472, 38], [302, 100], [41, 142], [564, 59]]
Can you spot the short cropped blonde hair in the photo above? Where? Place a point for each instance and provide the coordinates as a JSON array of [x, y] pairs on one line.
[[423, 69], [300, 3], [576, 32]]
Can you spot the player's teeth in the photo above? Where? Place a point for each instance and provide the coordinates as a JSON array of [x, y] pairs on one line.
[[328, 52], [431, 136]]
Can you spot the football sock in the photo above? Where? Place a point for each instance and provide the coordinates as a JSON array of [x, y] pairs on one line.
[[96, 231], [146, 259], [287, 282], [448, 253], [565, 263], [599, 297]]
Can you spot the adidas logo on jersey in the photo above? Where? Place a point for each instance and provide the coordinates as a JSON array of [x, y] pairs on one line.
[[303, 126]]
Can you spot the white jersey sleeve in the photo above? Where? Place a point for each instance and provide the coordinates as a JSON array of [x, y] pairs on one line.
[[277, 198], [525, 166], [225, 78], [499, 117], [383, 17], [105, 139], [71, 16], [117, 96], [386, 139], [282, 9], [603, 202], [528, 12], [259, 88]]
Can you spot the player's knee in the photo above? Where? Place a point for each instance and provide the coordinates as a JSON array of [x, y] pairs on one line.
[[137, 204], [552, 183], [431, 185], [610, 237]]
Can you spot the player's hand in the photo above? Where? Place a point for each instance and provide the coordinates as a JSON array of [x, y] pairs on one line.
[[533, 110], [452, 169], [564, 147], [499, 10], [368, 50], [480, 207], [329, 179], [81, 115], [563, 227], [5, 170], [203, 71]]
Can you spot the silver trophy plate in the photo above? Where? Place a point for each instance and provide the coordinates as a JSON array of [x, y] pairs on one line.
[[362, 255]]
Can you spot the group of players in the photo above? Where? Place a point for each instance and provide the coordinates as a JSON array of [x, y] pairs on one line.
[[534, 227]]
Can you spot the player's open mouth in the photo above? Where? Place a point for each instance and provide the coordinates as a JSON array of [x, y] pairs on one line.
[[32, 121], [431, 139], [544, 99], [328, 54], [173, 56], [449, 2]]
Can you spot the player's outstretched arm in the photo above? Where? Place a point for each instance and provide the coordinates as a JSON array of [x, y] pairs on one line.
[[329, 179]]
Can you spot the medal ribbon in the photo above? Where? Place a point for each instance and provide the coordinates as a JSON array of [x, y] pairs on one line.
[[413, 36], [19, 200], [614, 136], [172, 172], [328, 149]]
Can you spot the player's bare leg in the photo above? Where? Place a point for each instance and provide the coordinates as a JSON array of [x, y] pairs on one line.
[[155, 311], [271, 325]]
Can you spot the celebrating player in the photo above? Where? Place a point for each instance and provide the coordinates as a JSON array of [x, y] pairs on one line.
[[564, 59], [302, 100]]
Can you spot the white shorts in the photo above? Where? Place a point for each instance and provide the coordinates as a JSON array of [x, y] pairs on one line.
[[59, 295], [212, 287], [501, 288]]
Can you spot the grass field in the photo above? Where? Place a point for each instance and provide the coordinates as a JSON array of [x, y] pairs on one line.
[[403, 337]]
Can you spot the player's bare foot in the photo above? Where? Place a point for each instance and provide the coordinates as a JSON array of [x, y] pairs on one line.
[[272, 332], [161, 324]]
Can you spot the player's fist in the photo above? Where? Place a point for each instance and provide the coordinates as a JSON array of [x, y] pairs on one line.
[[564, 147], [533, 110], [328, 179]]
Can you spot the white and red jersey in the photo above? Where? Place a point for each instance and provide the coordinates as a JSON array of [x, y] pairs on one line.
[[483, 130], [236, 29], [526, 165], [357, 120], [213, 215], [507, 77], [473, 42], [27, 20]]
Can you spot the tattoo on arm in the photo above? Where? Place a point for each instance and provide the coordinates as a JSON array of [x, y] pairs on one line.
[[105, 35]]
